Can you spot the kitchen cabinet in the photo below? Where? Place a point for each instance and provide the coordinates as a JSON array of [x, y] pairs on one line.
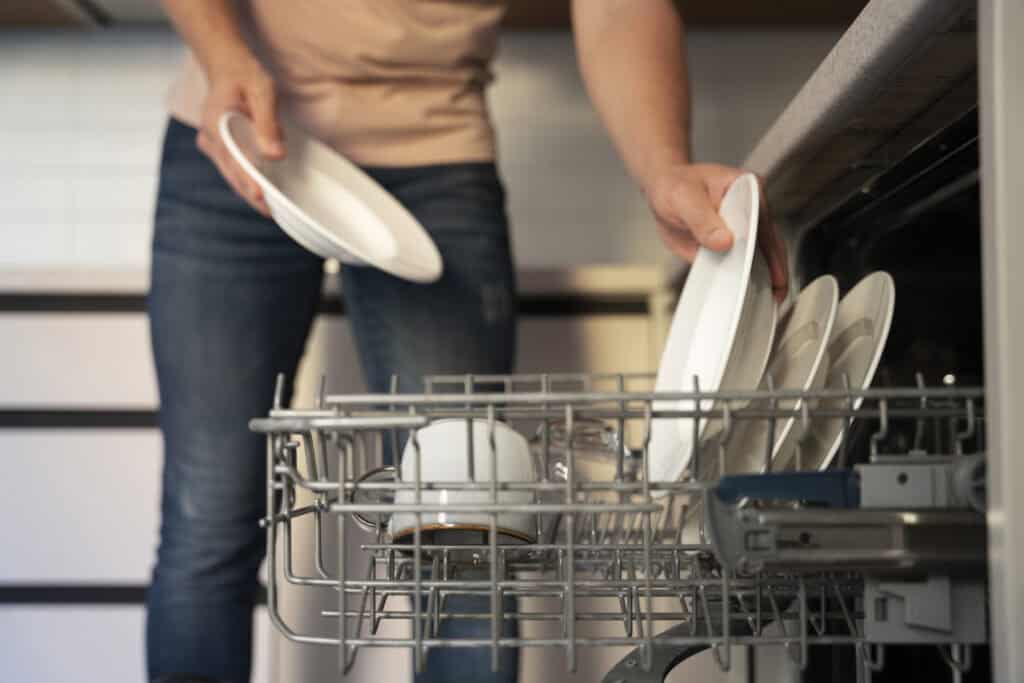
[[78, 427]]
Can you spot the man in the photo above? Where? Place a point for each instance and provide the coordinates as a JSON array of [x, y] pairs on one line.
[[398, 87]]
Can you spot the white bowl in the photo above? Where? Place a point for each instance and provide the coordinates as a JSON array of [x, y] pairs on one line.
[[444, 457]]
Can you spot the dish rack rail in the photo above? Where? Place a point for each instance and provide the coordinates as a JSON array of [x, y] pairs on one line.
[[631, 563]]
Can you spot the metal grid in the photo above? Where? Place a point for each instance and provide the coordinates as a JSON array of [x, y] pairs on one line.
[[620, 550]]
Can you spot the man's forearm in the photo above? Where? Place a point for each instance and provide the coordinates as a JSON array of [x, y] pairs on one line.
[[237, 82], [211, 29], [632, 56]]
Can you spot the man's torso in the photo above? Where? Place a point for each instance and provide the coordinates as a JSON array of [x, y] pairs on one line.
[[386, 82]]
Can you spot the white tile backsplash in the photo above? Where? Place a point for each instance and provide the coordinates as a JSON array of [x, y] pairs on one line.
[[34, 244], [131, 150], [103, 244], [35, 197], [119, 196]]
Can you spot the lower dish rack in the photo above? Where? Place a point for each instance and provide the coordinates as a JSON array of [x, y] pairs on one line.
[[887, 546]]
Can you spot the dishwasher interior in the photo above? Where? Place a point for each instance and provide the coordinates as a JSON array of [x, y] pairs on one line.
[[871, 570], [920, 221], [888, 551]]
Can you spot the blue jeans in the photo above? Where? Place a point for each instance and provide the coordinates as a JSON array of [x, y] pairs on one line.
[[231, 302]]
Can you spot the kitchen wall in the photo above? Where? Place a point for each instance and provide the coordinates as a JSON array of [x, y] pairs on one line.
[[80, 121], [81, 115]]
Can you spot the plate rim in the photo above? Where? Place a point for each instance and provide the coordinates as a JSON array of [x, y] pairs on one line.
[[675, 466], [876, 356], [394, 265], [820, 355]]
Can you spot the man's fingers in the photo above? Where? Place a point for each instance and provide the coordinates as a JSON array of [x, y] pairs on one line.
[[679, 241], [232, 173], [204, 144], [696, 213], [780, 268], [773, 248], [774, 251], [245, 186], [262, 103], [234, 176]]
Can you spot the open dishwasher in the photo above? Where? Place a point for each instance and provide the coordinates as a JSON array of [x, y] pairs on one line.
[[899, 562], [892, 551]]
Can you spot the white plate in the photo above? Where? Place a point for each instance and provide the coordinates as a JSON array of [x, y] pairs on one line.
[[854, 350], [331, 207], [704, 329], [752, 347], [799, 361]]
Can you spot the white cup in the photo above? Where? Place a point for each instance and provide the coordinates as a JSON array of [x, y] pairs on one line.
[[444, 457]]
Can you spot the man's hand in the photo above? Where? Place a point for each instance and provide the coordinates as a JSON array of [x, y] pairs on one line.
[[633, 58], [685, 200], [237, 81], [241, 84]]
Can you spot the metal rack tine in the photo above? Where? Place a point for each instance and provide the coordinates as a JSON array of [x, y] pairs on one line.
[[805, 434], [321, 392], [419, 651], [958, 657], [962, 437], [433, 616], [802, 646], [724, 437], [569, 603], [842, 461], [620, 555], [696, 428], [851, 624], [723, 651], [921, 422], [620, 386], [347, 657], [883, 427], [773, 402], [309, 454], [393, 386], [279, 391], [819, 621], [496, 607], [873, 655], [696, 470]]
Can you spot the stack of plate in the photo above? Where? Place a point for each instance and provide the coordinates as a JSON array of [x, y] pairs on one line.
[[724, 338]]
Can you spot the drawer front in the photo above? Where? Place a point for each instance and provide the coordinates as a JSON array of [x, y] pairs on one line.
[[82, 644], [79, 506]]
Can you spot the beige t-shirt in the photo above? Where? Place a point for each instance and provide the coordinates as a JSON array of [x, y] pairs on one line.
[[384, 82]]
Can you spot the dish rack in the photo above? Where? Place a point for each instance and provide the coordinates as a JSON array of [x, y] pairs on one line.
[[667, 569]]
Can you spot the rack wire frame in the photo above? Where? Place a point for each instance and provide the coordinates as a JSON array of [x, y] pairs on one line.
[[627, 550]]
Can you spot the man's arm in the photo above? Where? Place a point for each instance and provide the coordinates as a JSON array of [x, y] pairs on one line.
[[632, 55], [236, 80]]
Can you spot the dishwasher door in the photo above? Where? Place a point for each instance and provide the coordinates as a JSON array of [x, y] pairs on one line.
[[1001, 54]]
